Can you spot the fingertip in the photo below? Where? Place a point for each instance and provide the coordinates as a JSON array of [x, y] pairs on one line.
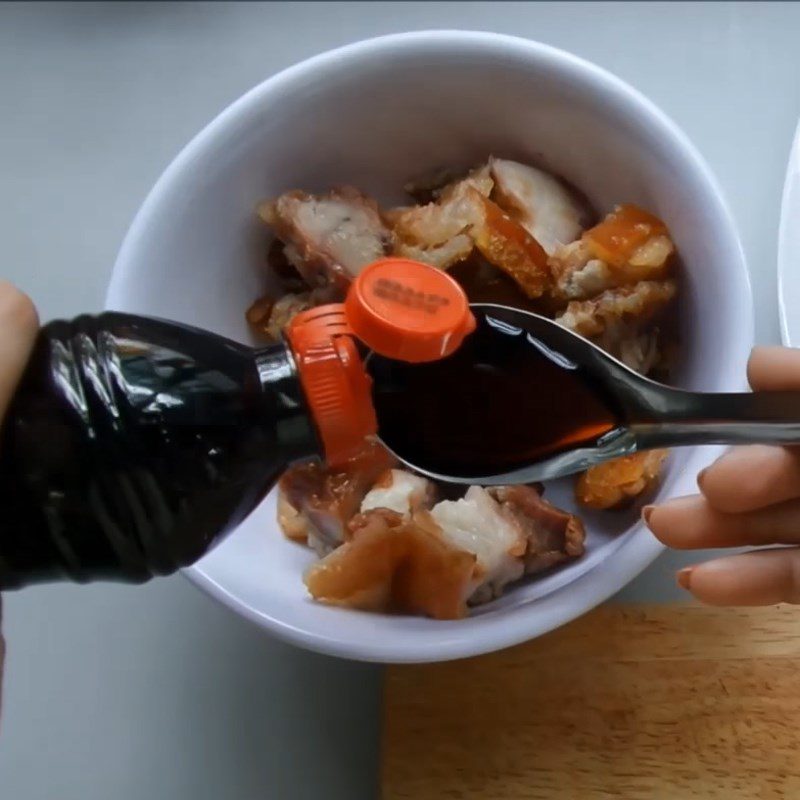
[[714, 583], [760, 358], [683, 577], [19, 324], [701, 478], [751, 477], [673, 523], [758, 578], [17, 309], [773, 368]]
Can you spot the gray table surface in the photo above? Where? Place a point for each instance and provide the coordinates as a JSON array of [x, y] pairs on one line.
[[115, 693]]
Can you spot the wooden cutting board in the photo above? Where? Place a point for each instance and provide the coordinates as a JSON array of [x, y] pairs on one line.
[[630, 702]]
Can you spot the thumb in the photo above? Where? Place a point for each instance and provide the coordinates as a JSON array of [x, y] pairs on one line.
[[19, 325]]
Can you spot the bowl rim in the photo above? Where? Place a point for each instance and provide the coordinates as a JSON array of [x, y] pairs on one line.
[[510, 626]]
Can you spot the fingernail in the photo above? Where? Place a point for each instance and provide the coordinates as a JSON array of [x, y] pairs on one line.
[[683, 577], [701, 475], [646, 512]]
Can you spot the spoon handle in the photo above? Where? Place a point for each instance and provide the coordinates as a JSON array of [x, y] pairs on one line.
[[687, 418]]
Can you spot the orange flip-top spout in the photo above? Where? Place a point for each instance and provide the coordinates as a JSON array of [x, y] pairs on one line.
[[398, 308]]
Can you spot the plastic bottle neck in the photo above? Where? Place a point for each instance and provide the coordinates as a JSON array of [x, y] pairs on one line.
[[296, 434]]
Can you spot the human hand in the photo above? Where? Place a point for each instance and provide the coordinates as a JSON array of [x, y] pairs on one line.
[[18, 327], [750, 496]]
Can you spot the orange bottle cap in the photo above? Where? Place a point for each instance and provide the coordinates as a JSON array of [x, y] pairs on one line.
[[408, 310]]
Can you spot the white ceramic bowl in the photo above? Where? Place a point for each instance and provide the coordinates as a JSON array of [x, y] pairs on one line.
[[374, 114]]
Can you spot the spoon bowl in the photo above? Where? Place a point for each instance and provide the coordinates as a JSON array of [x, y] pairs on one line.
[[632, 413]]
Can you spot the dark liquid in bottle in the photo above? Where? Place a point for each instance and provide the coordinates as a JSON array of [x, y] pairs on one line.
[[132, 445], [503, 401]]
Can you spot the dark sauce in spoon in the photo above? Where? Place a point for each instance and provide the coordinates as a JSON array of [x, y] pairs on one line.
[[503, 401]]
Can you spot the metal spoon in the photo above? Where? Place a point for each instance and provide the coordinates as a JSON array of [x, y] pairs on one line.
[[660, 416]]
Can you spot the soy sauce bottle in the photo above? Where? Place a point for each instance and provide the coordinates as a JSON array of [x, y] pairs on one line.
[[133, 445]]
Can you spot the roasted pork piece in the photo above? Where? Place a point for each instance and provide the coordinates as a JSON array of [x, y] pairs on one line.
[[551, 213], [475, 524], [446, 230], [628, 246], [395, 563], [400, 491], [328, 238], [439, 232], [616, 483], [552, 535], [270, 317], [507, 245], [617, 320], [317, 502]]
